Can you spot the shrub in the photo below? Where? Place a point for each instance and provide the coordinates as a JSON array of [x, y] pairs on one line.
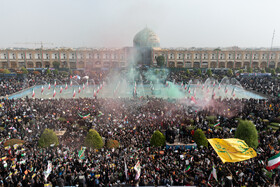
[[48, 72], [93, 139], [55, 72], [64, 73], [200, 138], [47, 138], [158, 139], [6, 71], [229, 72], [247, 131], [24, 70], [209, 72], [12, 142], [112, 144], [190, 127]]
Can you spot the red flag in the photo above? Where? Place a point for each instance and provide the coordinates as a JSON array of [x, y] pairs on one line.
[[54, 93], [79, 90], [66, 86], [42, 90], [54, 83], [33, 93], [71, 83], [94, 93], [49, 86], [83, 86], [61, 89], [74, 94]]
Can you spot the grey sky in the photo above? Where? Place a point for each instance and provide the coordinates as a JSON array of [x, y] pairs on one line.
[[113, 23]]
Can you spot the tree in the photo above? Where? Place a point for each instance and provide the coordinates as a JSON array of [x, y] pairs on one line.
[[249, 70], [188, 72], [247, 131], [24, 70], [112, 144], [198, 71], [158, 139], [273, 73], [93, 139], [6, 71], [48, 138], [48, 72], [55, 72], [160, 61], [209, 72], [241, 71], [200, 138], [263, 71], [56, 64], [229, 72]]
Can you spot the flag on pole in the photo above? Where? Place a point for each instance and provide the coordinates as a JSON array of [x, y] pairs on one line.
[[66, 86], [79, 90], [74, 93], [213, 174], [49, 86], [54, 83], [54, 93], [94, 93], [233, 92], [182, 84], [81, 154], [33, 93], [125, 170], [135, 89], [61, 89], [219, 86], [137, 168], [71, 83], [226, 89], [186, 86], [98, 89], [83, 86], [273, 162], [87, 82], [214, 84], [42, 90]]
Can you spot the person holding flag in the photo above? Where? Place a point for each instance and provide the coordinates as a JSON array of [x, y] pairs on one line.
[[137, 168]]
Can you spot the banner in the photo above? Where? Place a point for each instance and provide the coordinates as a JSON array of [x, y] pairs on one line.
[[232, 149]]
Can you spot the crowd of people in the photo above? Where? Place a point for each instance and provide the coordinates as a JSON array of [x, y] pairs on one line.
[[132, 122]]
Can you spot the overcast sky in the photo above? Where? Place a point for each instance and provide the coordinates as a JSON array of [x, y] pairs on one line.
[[113, 23]]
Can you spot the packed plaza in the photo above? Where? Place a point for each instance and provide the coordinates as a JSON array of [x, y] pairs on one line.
[[141, 116]]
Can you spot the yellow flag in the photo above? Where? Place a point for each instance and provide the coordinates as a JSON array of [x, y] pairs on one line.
[[232, 149]]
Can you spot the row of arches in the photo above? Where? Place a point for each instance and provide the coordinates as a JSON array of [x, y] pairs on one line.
[[30, 64], [230, 64]]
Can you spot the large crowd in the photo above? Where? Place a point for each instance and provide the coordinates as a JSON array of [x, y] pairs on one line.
[[132, 121]]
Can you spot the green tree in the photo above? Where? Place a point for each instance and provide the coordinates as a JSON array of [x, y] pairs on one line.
[[229, 72], [56, 64], [278, 69], [198, 71], [55, 72], [263, 71], [94, 140], [188, 72], [48, 72], [158, 139], [247, 131], [273, 73], [48, 138], [200, 138], [209, 72], [241, 71], [249, 70], [160, 61], [6, 71], [24, 70]]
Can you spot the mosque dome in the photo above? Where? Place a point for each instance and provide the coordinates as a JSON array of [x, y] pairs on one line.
[[146, 38]]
